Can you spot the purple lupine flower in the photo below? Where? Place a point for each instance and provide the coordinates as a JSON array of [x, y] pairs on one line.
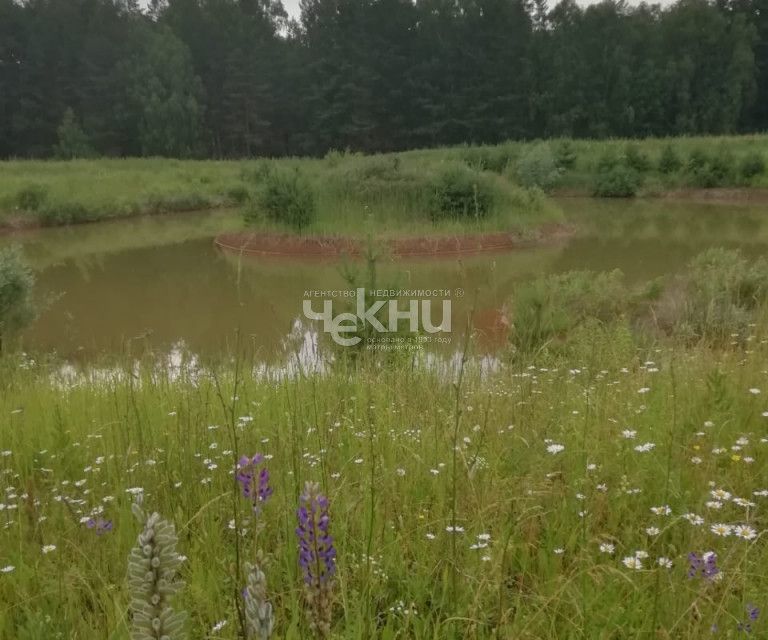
[[99, 525], [253, 480], [317, 556], [704, 566], [752, 614]]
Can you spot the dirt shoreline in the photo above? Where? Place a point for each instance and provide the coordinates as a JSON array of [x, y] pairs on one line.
[[255, 243], [724, 195]]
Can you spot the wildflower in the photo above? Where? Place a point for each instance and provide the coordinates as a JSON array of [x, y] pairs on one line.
[[629, 434], [653, 531], [555, 448], [454, 529], [661, 511], [218, 626], [753, 613], [664, 563], [7, 569], [258, 610], [705, 565], [255, 486], [645, 447], [100, 525], [633, 562], [48, 548], [745, 532], [720, 529], [755, 391], [559, 551], [720, 494], [317, 557], [152, 579], [694, 519], [607, 547]]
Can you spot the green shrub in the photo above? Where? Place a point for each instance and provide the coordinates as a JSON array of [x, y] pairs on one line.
[[751, 165], [717, 298], [73, 142], [460, 192], [636, 158], [287, 198], [16, 284], [547, 309], [616, 181], [53, 215], [710, 171], [238, 194], [538, 167], [257, 172], [31, 197], [493, 159], [669, 161], [565, 154]]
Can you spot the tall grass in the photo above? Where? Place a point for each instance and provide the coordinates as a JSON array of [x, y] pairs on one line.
[[382, 192], [544, 488]]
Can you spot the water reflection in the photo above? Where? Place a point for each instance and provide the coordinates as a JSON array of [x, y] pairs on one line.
[[124, 288]]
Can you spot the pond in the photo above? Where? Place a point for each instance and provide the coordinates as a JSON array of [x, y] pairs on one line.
[[121, 286]]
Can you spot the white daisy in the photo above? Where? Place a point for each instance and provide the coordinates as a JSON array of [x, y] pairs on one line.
[[720, 529]]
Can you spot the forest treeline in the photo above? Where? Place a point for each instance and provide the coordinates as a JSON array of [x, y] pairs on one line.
[[235, 78]]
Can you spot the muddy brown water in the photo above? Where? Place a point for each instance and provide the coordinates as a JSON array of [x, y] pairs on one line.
[[160, 283]]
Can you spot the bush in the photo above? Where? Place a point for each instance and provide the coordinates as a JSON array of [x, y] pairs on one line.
[[31, 197], [707, 172], [616, 181], [636, 158], [565, 154], [493, 159], [73, 142], [287, 198], [669, 161], [538, 167], [65, 213], [460, 192], [716, 299], [549, 308], [16, 283], [238, 194], [751, 165]]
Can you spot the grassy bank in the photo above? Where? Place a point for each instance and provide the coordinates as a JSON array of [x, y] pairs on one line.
[[449, 190], [556, 477], [351, 194]]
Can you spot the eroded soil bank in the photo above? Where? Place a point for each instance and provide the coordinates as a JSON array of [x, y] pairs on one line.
[[293, 246]]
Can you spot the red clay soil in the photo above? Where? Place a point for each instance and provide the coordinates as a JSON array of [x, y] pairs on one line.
[[720, 195], [288, 245]]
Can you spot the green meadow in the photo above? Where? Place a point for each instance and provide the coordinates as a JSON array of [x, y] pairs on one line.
[[449, 190]]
